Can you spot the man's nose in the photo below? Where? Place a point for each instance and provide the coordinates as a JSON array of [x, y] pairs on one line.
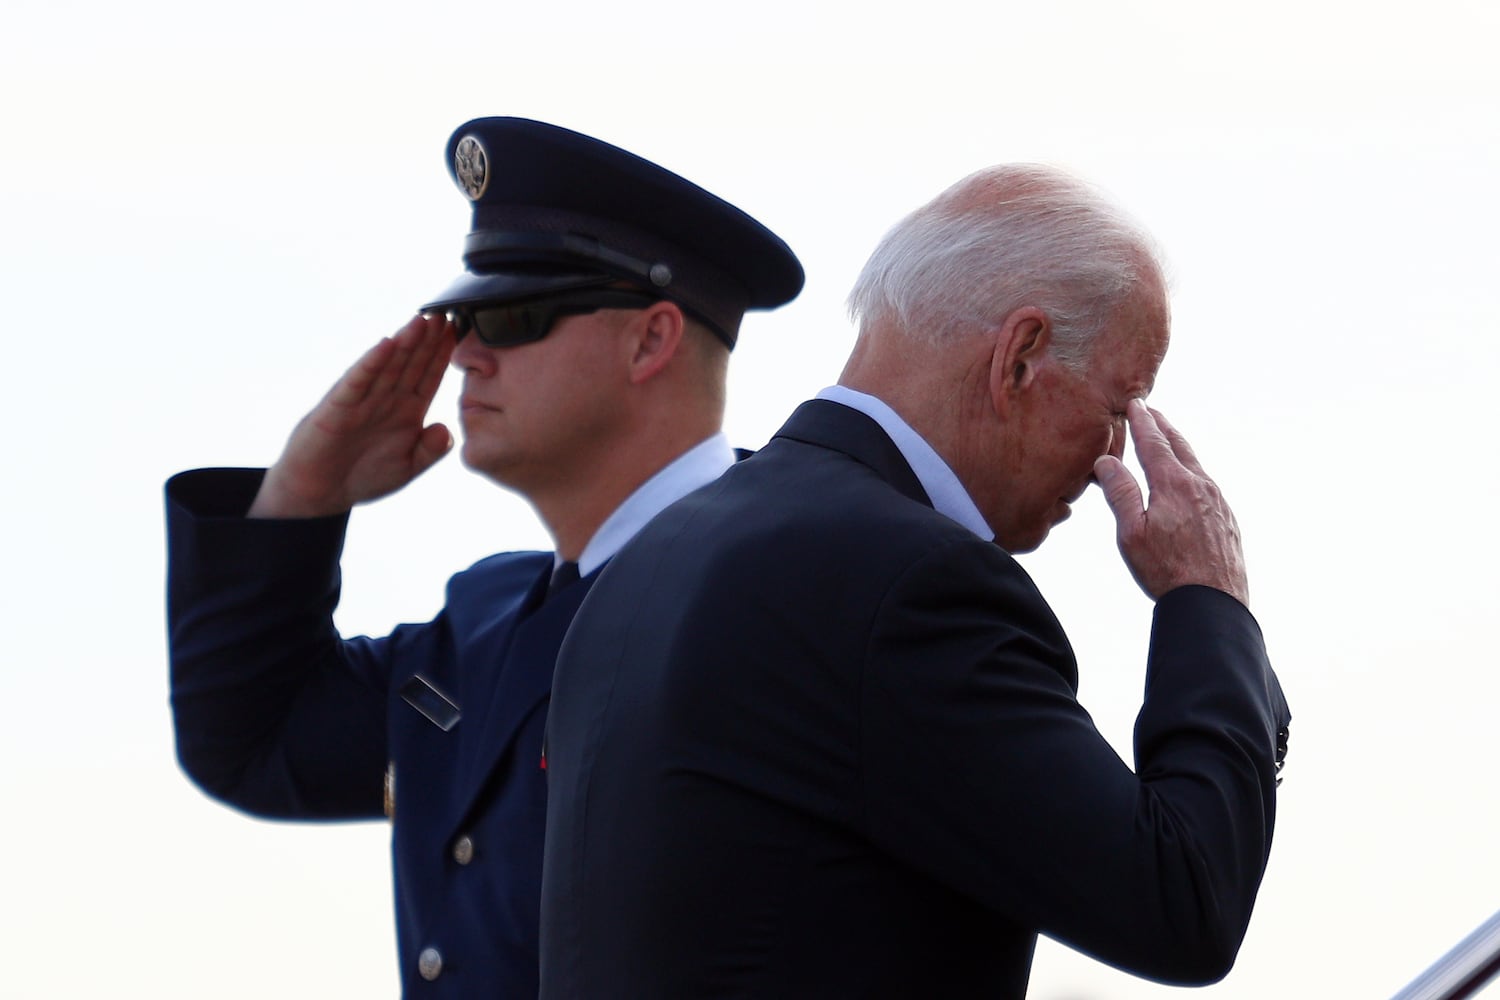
[[470, 355]]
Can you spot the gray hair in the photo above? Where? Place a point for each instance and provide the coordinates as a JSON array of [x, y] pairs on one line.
[[1002, 238]]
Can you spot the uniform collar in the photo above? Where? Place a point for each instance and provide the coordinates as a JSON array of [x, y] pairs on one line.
[[698, 466]]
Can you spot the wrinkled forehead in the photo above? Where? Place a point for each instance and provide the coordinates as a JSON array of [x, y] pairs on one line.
[[1130, 349]]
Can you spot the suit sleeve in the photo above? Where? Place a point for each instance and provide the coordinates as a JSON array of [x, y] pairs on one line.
[[273, 713], [982, 769]]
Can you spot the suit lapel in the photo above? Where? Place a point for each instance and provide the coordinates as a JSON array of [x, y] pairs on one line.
[[833, 425]]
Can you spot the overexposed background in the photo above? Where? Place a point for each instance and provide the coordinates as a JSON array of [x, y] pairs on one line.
[[205, 216]]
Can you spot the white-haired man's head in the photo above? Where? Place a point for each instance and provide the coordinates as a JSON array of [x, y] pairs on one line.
[[1005, 237], [1010, 322]]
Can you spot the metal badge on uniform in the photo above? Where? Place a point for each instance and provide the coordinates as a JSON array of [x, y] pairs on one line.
[[472, 167], [423, 695]]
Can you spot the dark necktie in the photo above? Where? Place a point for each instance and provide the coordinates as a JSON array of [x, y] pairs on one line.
[[563, 575]]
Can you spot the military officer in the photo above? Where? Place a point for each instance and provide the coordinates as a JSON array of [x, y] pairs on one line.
[[592, 328]]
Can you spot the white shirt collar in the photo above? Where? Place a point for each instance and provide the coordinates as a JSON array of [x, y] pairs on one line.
[[698, 466], [943, 487]]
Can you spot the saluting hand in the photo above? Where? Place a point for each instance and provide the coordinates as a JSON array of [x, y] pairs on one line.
[[1187, 534], [366, 438]]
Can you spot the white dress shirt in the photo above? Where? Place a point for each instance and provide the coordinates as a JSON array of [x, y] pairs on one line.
[[943, 488]]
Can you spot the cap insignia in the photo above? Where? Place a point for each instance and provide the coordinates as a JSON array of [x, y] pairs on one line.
[[471, 166]]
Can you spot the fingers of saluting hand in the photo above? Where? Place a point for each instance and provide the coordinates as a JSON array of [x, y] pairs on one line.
[[357, 383], [1180, 447], [403, 369], [1153, 446], [435, 442], [1155, 452], [1183, 532], [366, 438], [1121, 491], [439, 342], [397, 372], [426, 343]]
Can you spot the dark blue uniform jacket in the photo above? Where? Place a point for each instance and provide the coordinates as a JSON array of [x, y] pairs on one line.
[[280, 717]]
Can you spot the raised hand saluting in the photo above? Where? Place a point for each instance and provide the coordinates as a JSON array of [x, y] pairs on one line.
[[1187, 534], [366, 438]]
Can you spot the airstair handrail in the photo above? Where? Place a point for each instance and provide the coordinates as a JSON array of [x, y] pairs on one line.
[[1463, 971]]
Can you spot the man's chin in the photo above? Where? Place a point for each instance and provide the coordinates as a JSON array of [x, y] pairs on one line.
[[477, 458], [1023, 543]]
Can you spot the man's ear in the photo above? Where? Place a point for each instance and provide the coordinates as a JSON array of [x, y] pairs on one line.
[[1021, 343], [656, 336]]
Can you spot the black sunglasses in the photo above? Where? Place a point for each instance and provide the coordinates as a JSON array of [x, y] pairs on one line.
[[507, 324]]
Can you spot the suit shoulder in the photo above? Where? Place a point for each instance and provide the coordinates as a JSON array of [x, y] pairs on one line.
[[797, 512], [817, 497]]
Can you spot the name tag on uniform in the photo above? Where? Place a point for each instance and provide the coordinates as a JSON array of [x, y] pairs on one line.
[[423, 695]]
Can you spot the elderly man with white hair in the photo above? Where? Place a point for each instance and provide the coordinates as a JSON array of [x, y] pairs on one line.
[[815, 732]]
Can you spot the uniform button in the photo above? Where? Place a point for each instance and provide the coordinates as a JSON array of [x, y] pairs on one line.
[[463, 850], [430, 964]]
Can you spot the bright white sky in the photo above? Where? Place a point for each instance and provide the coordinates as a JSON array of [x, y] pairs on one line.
[[205, 216]]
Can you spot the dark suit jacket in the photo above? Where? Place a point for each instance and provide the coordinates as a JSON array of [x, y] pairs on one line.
[[810, 738], [277, 715]]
